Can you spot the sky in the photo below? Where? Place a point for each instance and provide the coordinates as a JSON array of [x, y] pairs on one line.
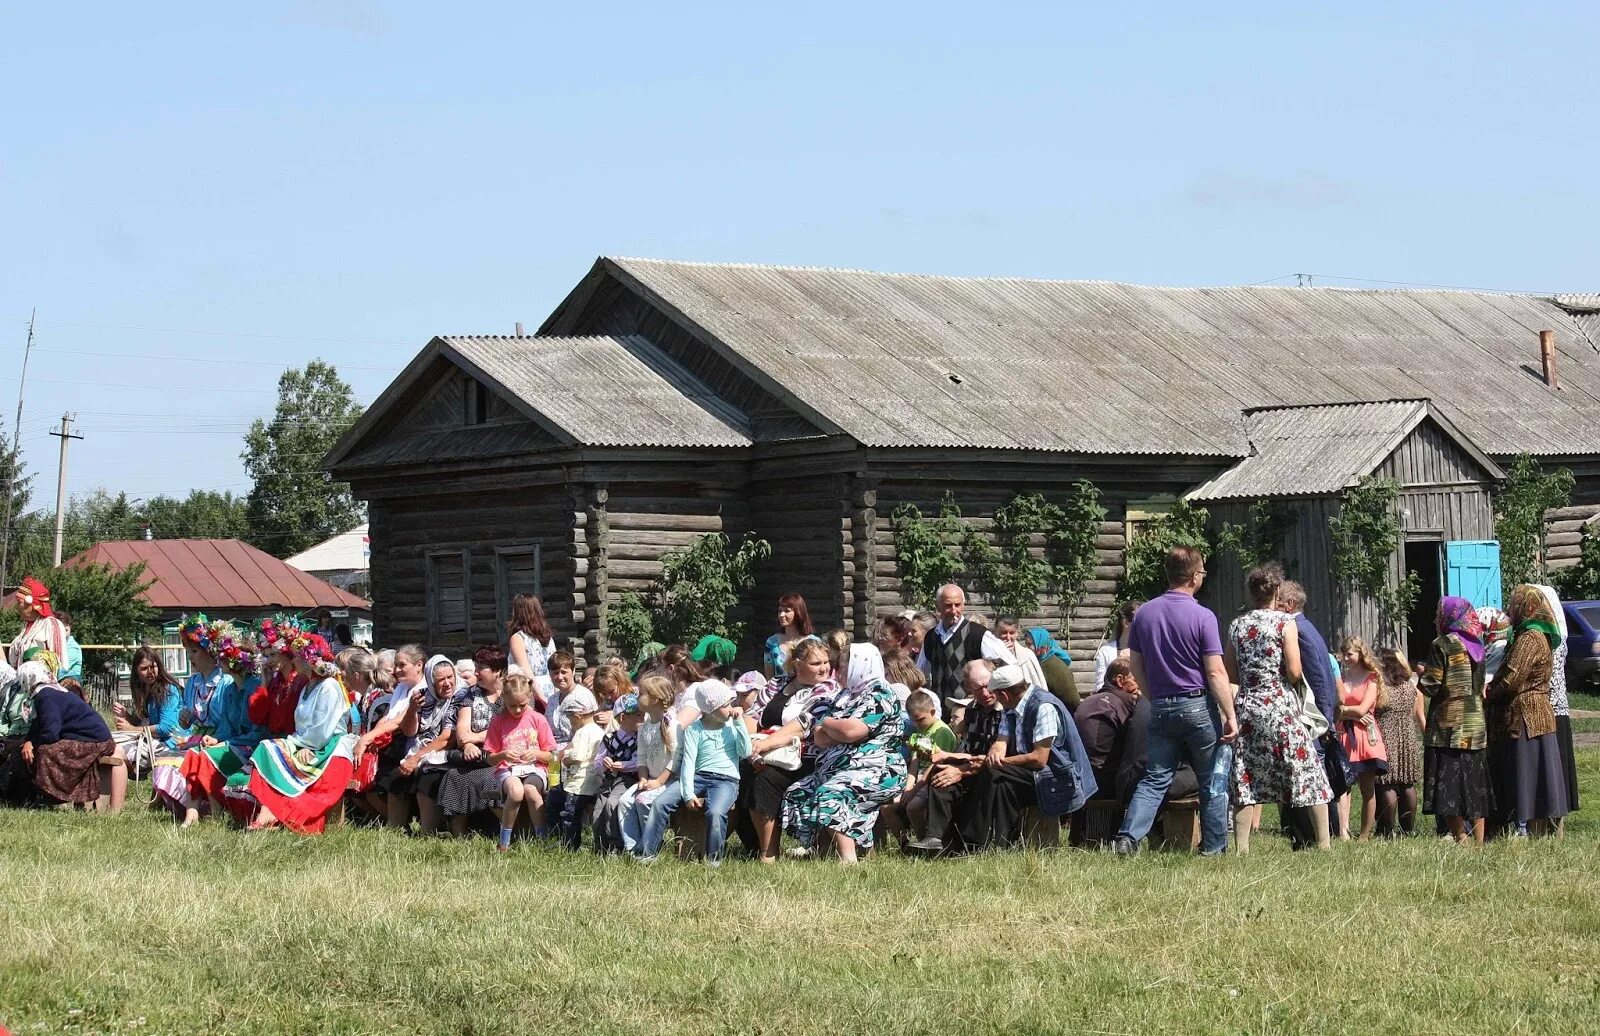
[[194, 197]]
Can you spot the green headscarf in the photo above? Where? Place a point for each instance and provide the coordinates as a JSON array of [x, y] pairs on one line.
[[714, 649], [647, 654], [1530, 603]]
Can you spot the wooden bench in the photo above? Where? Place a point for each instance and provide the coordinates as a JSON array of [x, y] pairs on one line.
[[689, 832], [1040, 831], [107, 762], [1178, 826]]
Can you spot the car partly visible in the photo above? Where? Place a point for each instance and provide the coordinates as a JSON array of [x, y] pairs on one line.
[[1583, 645]]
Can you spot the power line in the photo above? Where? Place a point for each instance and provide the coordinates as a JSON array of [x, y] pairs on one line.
[[208, 359], [227, 334]]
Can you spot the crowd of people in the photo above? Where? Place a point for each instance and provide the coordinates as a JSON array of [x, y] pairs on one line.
[[942, 735]]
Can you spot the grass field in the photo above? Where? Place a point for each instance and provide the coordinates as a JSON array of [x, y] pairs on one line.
[[125, 924]]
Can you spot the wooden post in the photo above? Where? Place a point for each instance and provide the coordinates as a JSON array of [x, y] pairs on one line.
[[863, 543], [599, 539], [578, 546]]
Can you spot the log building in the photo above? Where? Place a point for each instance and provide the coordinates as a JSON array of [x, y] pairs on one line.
[[663, 400]]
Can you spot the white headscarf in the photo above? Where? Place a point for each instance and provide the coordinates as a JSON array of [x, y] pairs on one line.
[[865, 668], [33, 675], [1555, 606], [427, 674]]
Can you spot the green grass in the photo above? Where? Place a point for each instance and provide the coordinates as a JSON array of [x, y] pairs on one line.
[[1589, 702], [125, 924]]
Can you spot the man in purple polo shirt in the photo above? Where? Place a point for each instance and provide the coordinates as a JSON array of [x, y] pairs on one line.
[[1176, 652]]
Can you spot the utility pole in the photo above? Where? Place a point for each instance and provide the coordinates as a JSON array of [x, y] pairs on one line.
[[16, 455], [66, 435]]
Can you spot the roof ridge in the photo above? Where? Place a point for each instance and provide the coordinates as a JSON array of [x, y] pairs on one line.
[[978, 278], [1348, 402]]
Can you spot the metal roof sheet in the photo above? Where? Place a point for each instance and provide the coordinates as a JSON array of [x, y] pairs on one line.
[[604, 391], [1115, 368], [196, 575]]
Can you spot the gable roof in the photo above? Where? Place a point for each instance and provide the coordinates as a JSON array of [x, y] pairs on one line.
[[591, 391], [343, 552], [909, 360], [1312, 450], [196, 575]]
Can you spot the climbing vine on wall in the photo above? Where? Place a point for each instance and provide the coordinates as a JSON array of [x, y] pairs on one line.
[[1035, 547], [1366, 540], [1145, 575], [1260, 539], [1519, 508], [925, 549]]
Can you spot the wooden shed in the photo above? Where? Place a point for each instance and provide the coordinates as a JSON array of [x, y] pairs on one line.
[[662, 400], [1304, 458]]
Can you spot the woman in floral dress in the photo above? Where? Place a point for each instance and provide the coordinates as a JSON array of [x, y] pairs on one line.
[[1275, 758], [859, 732]]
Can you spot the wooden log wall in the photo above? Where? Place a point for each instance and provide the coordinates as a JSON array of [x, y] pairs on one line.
[[812, 551], [1086, 629], [1563, 538], [404, 531], [644, 522]]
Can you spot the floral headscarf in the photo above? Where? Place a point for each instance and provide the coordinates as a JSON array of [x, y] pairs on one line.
[[1496, 624], [1457, 617], [865, 668], [1532, 610]]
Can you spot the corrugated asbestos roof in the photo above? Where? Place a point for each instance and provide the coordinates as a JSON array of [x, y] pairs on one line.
[[345, 551], [196, 575], [605, 391], [909, 360], [1308, 450]]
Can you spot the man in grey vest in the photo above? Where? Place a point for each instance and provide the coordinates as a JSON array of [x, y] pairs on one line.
[[955, 641]]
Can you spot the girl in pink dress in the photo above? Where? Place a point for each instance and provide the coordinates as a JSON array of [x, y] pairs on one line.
[[1361, 694]]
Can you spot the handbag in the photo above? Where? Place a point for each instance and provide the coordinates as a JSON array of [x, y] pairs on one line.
[[785, 758], [1311, 717]]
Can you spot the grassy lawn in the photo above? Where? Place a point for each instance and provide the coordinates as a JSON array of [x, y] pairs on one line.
[[125, 924]]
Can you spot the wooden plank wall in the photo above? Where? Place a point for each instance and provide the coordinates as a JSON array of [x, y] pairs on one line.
[[808, 528]]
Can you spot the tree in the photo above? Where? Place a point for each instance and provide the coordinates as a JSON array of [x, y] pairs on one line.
[[1519, 508], [294, 503], [203, 515], [694, 595], [15, 481], [1260, 539], [87, 519], [925, 549], [106, 603]]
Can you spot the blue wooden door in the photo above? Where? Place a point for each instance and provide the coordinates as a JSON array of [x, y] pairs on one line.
[[1472, 570]]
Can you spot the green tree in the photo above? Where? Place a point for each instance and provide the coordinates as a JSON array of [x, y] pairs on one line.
[[15, 481], [203, 515], [294, 503], [1366, 541], [87, 519], [106, 603], [1519, 508], [697, 590]]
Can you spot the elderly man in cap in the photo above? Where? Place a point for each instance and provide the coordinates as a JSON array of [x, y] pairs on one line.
[[1035, 759]]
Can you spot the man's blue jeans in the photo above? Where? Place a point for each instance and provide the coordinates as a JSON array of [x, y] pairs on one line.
[[719, 792], [1181, 730]]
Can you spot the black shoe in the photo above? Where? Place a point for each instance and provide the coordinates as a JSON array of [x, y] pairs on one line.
[[1122, 845], [925, 847]]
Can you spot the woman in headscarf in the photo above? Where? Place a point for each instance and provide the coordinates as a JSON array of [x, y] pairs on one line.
[[428, 728], [1558, 702], [66, 740], [859, 734], [1455, 771], [1010, 633], [40, 627], [16, 716], [1056, 665], [1524, 757], [646, 658], [300, 779], [762, 786], [1496, 637]]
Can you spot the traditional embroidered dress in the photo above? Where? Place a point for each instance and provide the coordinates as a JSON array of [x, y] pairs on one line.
[[210, 770], [302, 794], [200, 696]]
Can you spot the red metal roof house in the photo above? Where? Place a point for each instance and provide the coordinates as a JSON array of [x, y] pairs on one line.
[[223, 578]]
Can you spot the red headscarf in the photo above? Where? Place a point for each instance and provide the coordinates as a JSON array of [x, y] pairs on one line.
[[37, 594]]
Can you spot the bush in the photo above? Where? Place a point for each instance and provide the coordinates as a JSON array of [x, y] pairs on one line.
[[694, 595]]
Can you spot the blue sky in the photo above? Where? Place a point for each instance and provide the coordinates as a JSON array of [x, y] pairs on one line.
[[194, 198]]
